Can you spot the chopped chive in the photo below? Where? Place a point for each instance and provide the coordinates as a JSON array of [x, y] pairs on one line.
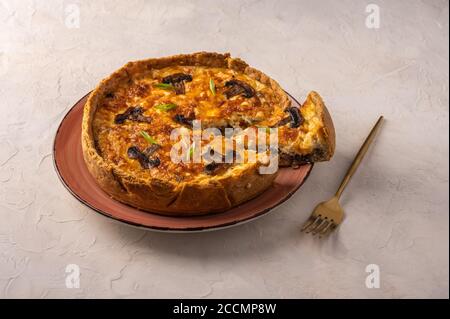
[[212, 86], [165, 107], [148, 138], [189, 154], [267, 129], [164, 86]]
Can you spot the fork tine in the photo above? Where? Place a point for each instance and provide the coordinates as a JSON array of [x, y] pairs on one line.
[[322, 225], [314, 225], [327, 230], [308, 223]]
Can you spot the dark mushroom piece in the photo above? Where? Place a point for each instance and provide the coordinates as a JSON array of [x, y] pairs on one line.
[[295, 118], [154, 162], [214, 167], [146, 162], [236, 87], [283, 122], [177, 80], [211, 168], [180, 118], [136, 115], [133, 114], [151, 149], [120, 118]]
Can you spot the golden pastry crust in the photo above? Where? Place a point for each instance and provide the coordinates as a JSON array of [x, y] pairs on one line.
[[178, 189]]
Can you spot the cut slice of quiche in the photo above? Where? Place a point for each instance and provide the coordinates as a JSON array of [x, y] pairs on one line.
[[133, 121], [313, 140]]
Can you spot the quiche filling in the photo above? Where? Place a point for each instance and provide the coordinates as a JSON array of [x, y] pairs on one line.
[[161, 100]]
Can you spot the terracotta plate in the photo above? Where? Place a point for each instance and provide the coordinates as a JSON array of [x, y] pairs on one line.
[[72, 171]]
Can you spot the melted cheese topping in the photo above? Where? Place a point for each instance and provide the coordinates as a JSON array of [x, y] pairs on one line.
[[199, 102]]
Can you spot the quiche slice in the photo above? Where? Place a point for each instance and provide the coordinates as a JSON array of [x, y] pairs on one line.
[[130, 118]]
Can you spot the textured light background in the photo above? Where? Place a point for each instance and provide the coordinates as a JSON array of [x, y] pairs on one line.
[[397, 204]]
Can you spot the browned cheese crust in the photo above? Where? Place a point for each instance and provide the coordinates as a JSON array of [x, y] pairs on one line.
[[186, 189]]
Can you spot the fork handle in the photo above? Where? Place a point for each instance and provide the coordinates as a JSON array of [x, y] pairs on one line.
[[361, 153]]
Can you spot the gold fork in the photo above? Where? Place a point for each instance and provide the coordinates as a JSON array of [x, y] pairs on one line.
[[328, 215]]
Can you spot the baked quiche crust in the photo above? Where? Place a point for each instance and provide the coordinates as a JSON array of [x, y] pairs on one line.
[[166, 189]]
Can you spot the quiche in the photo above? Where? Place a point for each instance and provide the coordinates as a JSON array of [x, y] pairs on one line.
[[132, 119]]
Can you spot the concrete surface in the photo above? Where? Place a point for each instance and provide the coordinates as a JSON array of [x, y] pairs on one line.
[[397, 204]]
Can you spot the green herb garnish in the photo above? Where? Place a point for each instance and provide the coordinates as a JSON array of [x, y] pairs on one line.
[[164, 86], [212, 86], [148, 138], [165, 107], [267, 129]]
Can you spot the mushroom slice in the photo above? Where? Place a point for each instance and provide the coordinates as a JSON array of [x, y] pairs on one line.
[[146, 162], [214, 168], [236, 87], [122, 117], [180, 118], [211, 168], [295, 118], [177, 80], [283, 122], [133, 113], [151, 149]]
